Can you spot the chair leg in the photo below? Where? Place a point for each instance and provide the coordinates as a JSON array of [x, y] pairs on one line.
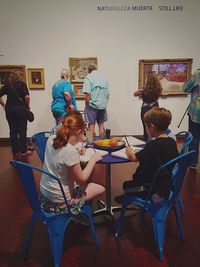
[[180, 228], [56, 229], [29, 238], [180, 203], [159, 220], [87, 211], [121, 218]]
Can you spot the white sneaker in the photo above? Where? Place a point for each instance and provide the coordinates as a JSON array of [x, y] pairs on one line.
[[192, 167], [28, 152]]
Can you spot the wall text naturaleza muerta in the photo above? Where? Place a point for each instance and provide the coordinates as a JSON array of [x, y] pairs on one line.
[[139, 8]]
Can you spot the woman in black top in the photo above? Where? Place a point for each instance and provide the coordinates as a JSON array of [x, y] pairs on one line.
[[16, 112], [150, 95]]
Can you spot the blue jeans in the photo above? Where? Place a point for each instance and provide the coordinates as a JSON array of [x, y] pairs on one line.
[[194, 129]]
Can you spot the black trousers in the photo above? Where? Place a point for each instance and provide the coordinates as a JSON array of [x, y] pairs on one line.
[[144, 109], [17, 121], [194, 129]]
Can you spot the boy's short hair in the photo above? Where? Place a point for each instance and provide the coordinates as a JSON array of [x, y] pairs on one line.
[[159, 117]]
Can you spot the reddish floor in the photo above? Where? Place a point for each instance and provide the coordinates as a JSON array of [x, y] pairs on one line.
[[135, 248]]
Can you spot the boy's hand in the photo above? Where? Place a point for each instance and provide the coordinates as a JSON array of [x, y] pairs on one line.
[[129, 151], [156, 198], [131, 154]]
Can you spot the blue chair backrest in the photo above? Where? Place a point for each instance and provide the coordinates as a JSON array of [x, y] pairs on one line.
[[179, 175], [28, 180], [185, 147], [38, 141], [181, 163]]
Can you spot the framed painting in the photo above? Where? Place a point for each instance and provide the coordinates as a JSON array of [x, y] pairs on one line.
[[173, 73], [78, 90], [5, 71], [78, 68], [36, 78]]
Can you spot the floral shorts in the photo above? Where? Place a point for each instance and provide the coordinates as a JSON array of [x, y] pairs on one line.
[[75, 203]]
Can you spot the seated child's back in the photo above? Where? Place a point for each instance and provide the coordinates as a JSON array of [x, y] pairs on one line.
[[155, 153]]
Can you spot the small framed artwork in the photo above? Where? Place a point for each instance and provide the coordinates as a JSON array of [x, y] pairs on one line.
[[78, 90], [173, 73], [36, 78], [5, 71], [78, 67]]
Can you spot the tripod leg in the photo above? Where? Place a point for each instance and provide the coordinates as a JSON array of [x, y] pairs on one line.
[[183, 117]]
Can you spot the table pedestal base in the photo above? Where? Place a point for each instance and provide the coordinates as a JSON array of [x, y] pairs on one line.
[[107, 210]]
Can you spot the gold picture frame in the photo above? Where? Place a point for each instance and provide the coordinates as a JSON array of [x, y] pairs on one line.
[[78, 67], [173, 73], [78, 90], [36, 78], [5, 71]]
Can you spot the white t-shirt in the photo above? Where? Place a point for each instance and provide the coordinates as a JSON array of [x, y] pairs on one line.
[[57, 162]]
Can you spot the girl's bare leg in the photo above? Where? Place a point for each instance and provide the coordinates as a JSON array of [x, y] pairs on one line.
[[96, 183], [93, 190]]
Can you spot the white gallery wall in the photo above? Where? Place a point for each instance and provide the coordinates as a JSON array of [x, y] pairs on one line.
[[45, 33]]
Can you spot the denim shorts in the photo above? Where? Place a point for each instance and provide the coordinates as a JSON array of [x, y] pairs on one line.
[[93, 115]]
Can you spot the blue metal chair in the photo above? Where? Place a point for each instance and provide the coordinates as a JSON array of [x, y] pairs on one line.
[[159, 211], [56, 224], [38, 141], [187, 139]]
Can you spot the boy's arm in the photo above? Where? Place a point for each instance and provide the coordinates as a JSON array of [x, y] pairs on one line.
[[130, 153], [2, 103]]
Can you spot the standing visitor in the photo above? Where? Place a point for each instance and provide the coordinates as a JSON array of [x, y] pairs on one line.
[[150, 94], [193, 86], [63, 97], [96, 99], [17, 103]]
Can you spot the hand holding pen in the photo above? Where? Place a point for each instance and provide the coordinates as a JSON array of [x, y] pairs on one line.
[[129, 151]]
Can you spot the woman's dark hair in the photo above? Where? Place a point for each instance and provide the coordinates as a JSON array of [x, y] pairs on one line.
[[153, 88], [159, 117], [72, 123]]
